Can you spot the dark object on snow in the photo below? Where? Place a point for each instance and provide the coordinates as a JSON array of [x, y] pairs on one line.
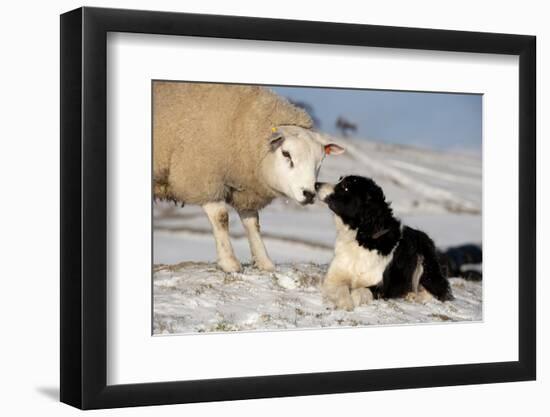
[[345, 125], [462, 261]]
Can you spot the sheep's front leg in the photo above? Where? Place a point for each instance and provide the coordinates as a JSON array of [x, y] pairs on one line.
[[257, 248], [219, 219]]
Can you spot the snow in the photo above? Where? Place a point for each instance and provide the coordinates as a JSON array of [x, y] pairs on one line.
[[438, 192], [198, 297]]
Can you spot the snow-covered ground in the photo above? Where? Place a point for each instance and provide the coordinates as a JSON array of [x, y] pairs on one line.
[[438, 192], [198, 297]]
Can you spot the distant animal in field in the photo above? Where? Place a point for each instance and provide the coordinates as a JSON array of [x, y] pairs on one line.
[[462, 261], [345, 126], [217, 144], [374, 255]]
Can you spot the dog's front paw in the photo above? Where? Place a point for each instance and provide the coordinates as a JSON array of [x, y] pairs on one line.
[[340, 297], [344, 302], [361, 296]]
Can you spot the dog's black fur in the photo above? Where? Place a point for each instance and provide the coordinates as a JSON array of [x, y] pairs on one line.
[[362, 206]]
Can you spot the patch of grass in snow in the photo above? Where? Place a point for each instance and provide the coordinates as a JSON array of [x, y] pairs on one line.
[[266, 318], [231, 278], [442, 317], [223, 326], [202, 288]]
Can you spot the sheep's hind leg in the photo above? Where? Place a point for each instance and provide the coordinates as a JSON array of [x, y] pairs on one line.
[[219, 219], [257, 248]]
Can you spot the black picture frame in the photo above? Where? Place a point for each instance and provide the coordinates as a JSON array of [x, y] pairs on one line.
[[84, 207]]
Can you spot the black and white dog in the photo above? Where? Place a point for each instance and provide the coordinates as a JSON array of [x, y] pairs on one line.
[[374, 255]]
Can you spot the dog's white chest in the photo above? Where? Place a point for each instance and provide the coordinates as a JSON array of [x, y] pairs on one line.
[[357, 265]]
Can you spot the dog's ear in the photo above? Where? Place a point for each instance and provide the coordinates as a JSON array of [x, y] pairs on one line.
[[374, 219], [377, 194], [371, 223]]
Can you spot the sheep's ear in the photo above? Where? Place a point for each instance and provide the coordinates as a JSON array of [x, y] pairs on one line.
[[276, 140], [333, 149]]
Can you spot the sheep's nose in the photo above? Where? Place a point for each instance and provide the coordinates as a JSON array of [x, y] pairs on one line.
[[309, 196], [318, 185]]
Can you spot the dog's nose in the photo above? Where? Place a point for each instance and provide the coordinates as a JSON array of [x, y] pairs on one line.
[[309, 196], [318, 185]]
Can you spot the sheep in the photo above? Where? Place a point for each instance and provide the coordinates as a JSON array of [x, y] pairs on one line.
[[218, 144]]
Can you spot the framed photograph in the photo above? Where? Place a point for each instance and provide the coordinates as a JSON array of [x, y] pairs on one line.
[[257, 208]]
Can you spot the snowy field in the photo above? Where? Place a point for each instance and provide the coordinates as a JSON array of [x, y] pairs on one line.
[[438, 192]]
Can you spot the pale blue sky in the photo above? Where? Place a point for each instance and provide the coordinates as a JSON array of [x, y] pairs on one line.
[[434, 120]]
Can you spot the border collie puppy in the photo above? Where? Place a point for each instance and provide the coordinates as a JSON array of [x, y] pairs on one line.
[[374, 255]]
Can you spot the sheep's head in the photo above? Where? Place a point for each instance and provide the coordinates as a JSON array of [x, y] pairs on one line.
[[294, 159]]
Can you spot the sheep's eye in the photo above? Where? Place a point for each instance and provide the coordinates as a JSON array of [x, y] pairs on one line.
[[287, 156]]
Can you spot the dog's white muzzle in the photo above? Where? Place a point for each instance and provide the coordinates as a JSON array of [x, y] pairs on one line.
[[324, 190]]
